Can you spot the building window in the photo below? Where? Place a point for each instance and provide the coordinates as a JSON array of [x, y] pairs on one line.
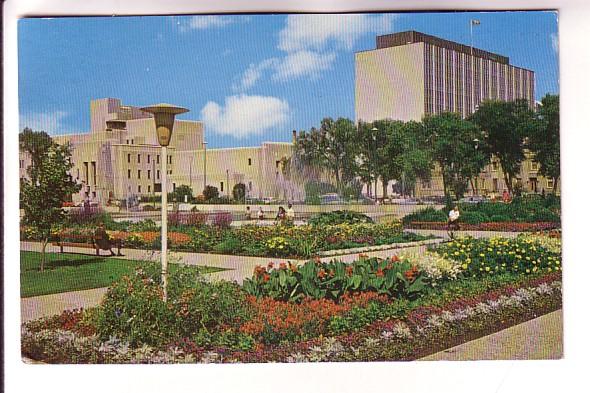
[[139, 173], [249, 162], [277, 163], [132, 141], [78, 173], [550, 184], [534, 166], [149, 158], [149, 189], [128, 158], [127, 142], [221, 188], [495, 165], [93, 194], [139, 158], [169, 159], [158, 174], [158, 159], [149, 174], [249, 186], [495, 184], [173, 187], [139, 189], [21, 163], [128, 173]]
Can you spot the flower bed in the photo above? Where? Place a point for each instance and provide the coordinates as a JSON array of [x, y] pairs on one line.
[[412, 331], [272, 241], [488, 226], [393, 309]]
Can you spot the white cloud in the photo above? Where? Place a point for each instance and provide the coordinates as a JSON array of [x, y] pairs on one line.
[[303, 63], [555, 42], [245, 115], [316, 32], [253, 73], [202, 22], [310, 43], [50, 122]]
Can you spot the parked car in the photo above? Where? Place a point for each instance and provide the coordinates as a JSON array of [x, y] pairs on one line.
[[268, 200], [474, 199], [331, 199]]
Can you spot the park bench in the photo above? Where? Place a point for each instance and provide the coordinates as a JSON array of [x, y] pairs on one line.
[[82, 241]]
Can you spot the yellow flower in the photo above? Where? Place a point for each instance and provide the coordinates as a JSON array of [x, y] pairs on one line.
[[528, 270], [464, 266], [481, 255], [487, 268]]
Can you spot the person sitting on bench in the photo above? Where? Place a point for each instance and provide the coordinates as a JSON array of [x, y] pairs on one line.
[[102, 241]]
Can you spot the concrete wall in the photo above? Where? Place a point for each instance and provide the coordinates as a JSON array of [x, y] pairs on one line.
[[389, 83]]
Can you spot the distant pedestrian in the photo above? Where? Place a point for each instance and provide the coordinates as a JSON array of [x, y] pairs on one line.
[[506, 196], [248, 213], [290, 213], [260, 214], [453, 221], [281, 215]]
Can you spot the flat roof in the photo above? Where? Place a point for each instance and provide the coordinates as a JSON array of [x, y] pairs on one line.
[[412, 37]]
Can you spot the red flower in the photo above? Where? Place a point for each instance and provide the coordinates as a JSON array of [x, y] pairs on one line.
[[266, 277], [349, 271], [321, 274], [270, 265], [379, 273], [395, 258], [282, 266]]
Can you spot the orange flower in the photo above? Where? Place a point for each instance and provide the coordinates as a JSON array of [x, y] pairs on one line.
[[270, 265], [179, 238], [321, 274], [395, 258], [266, 277], [349, 271], [317, 260], [363, 256], [259, 270], [379, 273], [282, 266], [293, 267]]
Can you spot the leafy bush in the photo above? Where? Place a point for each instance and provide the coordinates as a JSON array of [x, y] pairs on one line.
[[473, 218], [429, 214], [230, 245], [339, 217], [239, 192], [187, 218], [278, 246], [210, 192], [313, 190], [133, 308], [180, 192], [221, 219], [331, 280]]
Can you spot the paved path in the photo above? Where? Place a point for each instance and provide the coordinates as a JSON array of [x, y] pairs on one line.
[[476, 234], [539, 338], [43, 306]]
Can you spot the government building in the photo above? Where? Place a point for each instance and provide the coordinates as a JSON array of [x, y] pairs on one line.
[[120, 158], [411, 75]]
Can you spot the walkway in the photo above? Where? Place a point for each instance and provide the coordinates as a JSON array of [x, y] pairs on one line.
[[35, 307], [539, 338]]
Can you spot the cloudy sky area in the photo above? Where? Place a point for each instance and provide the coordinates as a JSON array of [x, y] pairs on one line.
[[250, 78]]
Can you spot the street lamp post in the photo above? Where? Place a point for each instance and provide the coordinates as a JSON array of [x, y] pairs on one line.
[[374, 138], [164, 118], [204, 166]]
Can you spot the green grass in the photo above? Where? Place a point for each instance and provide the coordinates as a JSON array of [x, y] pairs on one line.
[[75, 272]]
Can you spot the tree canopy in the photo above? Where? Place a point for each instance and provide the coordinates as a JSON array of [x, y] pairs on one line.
[[544, 139]]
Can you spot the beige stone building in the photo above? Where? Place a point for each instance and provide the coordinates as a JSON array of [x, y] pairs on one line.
[[411, 74], [120, 158]]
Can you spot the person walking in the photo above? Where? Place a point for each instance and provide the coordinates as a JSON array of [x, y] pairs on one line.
[[453, 221], [248, 213], [260, 214], [281, 215]]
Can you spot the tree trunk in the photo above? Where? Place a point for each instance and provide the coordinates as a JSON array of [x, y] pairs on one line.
[[385, 188], [42, 267], [507, 181], [473, 189]]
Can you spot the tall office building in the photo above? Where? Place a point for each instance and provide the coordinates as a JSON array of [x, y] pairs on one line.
[[411, 74]]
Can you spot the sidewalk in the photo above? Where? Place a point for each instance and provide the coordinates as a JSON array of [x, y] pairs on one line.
[[35, 307], [537, 339]]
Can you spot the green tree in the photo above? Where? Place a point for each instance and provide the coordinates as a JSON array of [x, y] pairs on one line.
[[180, 192], [210, 192], [331, 148], [544, 140], [455, 145], [505, 126], [239, 192], [416, 160], [43, 193], [36, 143], [367, 154]]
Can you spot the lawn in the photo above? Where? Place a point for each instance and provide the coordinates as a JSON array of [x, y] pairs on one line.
[[74, 272]]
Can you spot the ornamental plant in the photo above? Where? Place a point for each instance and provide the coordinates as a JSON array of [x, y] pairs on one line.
[[497, 255], [331, 280]]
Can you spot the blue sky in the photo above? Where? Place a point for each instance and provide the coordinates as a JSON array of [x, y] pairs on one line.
[[250, 78]]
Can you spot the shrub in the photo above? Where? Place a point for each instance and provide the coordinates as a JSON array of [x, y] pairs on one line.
[[278, 246], [473, 218], [133, 309], [210, 192], [499, 218], [313, 190], [143, 226], [187, 218], [429, 214], [221, 219], [239, 192], [230, 245], [180, 192], [339, 217]]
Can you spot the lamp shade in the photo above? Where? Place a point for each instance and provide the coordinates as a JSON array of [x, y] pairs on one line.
[[164, 117]]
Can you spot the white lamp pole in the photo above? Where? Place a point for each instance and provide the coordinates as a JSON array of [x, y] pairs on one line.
[[164, 118]]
